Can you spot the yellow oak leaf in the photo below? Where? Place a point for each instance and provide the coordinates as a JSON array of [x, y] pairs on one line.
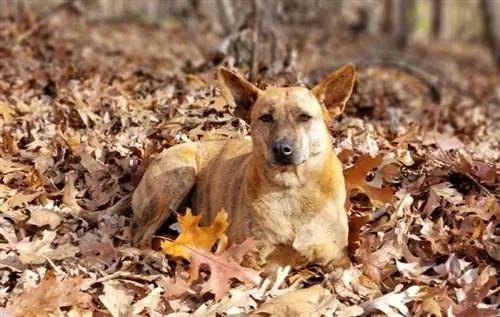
[[6, 112], [194, 236]]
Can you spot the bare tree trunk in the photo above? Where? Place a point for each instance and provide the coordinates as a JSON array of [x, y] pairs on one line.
[[491, 16], [255, 38], [387, 17], [402, 14], [437, 12], [226, 15]]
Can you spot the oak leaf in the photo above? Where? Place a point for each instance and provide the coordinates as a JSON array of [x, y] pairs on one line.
[[6, 112], [355, 178], [117, 298], [300, 302], [394, 300], [223, 267], [194, 236], [18, 200]]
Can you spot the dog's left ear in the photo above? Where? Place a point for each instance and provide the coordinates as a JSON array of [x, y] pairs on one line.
[[334, 90], [238, 92]]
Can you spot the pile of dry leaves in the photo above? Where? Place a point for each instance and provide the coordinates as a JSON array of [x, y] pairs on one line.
[[83, 108]]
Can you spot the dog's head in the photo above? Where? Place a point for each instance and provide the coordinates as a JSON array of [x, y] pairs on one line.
[[288, 124]]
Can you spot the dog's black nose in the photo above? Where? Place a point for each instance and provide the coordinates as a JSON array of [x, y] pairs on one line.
[[283, 148]]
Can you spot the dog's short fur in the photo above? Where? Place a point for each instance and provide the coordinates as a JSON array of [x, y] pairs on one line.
[[284, 188]]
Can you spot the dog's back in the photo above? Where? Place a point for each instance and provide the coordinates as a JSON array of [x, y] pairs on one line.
[[221, 178]]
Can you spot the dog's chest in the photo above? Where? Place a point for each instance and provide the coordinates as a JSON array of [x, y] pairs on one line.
[[283, 214]]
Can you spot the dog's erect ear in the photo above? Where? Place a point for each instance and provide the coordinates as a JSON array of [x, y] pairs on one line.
[[334, 90], [238, 92]]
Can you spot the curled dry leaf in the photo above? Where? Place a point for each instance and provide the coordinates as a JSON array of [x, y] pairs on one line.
[[194, 236], [69, 200], [355, 178], [299, 303], [39, 250], [391, 301], [174, 288], [356, 222], [473, 293], [18, 200], [148, 303], [492, 242], [44, 217], [117, 299], [7, 231], [7, 166]]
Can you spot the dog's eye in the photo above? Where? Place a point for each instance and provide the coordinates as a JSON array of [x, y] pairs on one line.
[[266, 118], [304, 117]]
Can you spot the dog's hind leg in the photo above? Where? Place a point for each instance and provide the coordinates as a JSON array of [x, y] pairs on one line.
[[165, 184]]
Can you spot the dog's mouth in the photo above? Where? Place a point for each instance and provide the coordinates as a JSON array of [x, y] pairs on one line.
[[283, 168], [286, 166]]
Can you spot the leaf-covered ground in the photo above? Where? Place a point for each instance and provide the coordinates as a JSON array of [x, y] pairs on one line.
[[84, 107]]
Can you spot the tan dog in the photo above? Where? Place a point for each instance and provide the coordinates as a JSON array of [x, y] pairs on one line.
[[284, 188]]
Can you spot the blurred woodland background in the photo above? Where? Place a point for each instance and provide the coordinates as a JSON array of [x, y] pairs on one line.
[[262, 30], [92, 90]]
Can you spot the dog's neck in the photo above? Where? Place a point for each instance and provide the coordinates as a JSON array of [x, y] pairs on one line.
[[316, 170]]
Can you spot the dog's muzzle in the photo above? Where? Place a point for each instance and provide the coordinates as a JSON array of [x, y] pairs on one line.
[[284, 153]]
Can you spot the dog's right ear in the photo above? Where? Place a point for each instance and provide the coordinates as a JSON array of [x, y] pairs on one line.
[[238, 92], [334, 90]]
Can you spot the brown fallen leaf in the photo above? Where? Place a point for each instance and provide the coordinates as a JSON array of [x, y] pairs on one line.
[[474, 291], [356, 222], [7, 166], [39, 250], [355, 178], [174, 289], [50, 295], [492, 242], [97, 251], [442, 141], [223, 267], [18, 200], [430, 307], [149, 303], [7, 231], [485, 172], [69, 200], [44, 217], [117, 299], [298, 303], [69, 192], [390, 301], [197, 237]]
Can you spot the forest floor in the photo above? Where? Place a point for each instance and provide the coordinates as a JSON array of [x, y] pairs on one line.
[[83, 108]]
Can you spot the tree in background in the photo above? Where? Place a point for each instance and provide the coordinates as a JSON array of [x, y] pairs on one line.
[[490, 10]]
